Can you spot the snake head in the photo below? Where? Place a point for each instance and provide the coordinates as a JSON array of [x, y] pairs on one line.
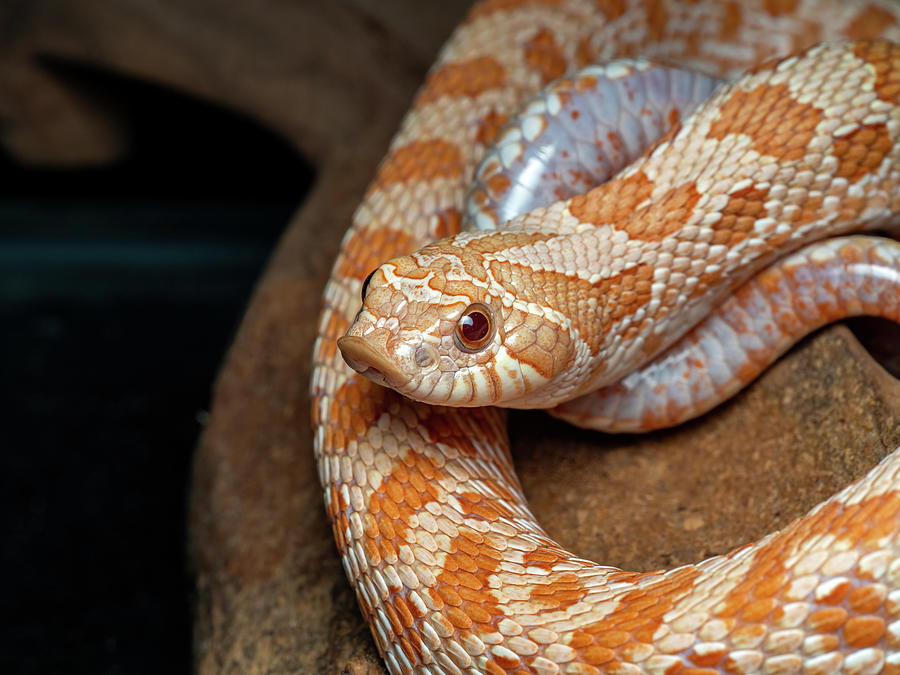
[[438, 326]]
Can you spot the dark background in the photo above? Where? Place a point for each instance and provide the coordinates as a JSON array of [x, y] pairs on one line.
[[120, 290]]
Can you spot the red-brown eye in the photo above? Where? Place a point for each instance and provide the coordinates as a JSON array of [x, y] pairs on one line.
[[475, 328]]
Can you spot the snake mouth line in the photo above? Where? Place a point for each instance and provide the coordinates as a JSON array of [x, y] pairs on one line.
[[370, 362]]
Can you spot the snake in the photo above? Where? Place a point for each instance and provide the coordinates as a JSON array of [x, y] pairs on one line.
[[632, 305]]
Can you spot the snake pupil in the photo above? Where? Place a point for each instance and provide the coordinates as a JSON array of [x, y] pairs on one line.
[[474, 328]]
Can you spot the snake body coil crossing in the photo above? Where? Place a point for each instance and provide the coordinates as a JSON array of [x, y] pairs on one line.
[[669, 258]]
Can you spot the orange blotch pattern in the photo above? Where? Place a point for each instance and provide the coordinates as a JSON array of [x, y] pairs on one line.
[[756, 601], [732, 19], [657, 19], [563, 589], [463, 79], [780, 7], [611, 9], [613, 201], [585, 53], [368, 247], [870, 23], [444, 427], [592, 308], [776, 123], [664, 216], [463, 589], [446, 222], [636, 619], [419, 161], [807, 33], [462, 592], [356, 406], [622, 295], [744, 207], [545, 56], [884, 57], [336, 326], [862, 151]]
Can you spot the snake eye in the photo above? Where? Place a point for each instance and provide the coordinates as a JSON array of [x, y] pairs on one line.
[[365, 286], [475, 328]]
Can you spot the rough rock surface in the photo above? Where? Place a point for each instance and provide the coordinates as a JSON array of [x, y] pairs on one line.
[[334, 79], [814, 422]]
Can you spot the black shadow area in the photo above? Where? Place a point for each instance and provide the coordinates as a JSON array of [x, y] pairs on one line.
[[120, 289]]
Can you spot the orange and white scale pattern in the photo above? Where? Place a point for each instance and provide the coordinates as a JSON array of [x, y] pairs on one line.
[[823, 282], [451, 570]]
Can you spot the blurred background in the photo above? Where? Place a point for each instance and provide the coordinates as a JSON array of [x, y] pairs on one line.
[[121, 286]]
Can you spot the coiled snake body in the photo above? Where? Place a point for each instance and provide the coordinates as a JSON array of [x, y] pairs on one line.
[[450, 568]]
